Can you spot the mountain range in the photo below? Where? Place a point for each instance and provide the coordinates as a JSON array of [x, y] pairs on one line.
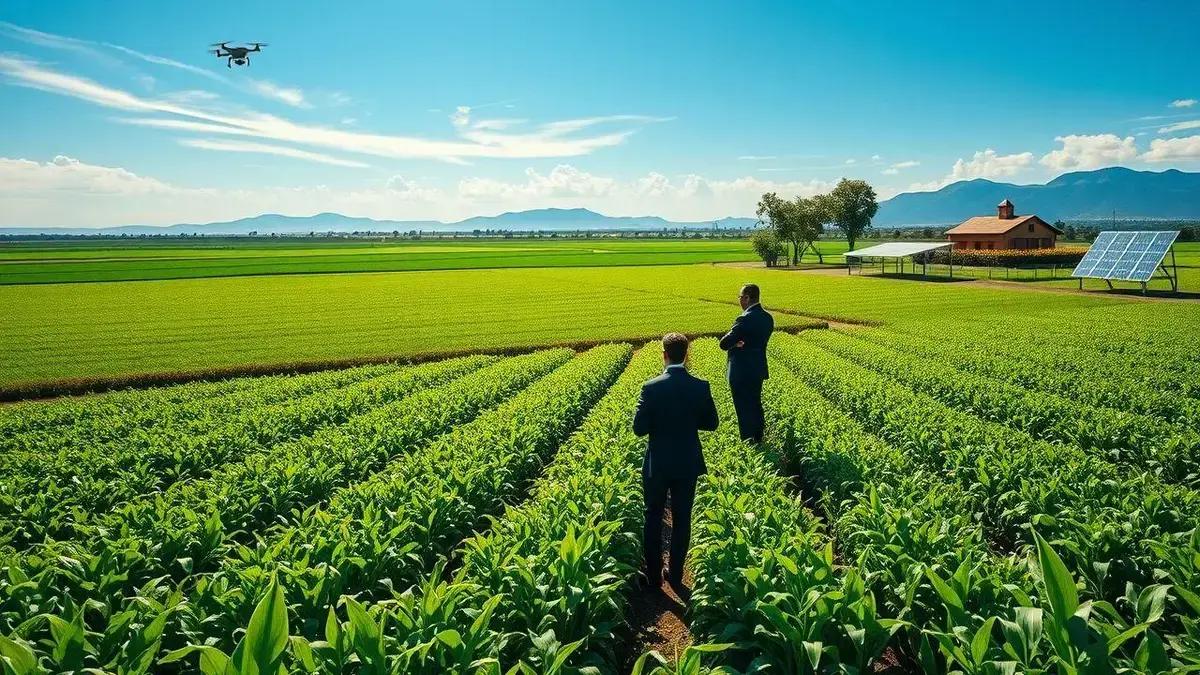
[[273, 223], [1082, 195]]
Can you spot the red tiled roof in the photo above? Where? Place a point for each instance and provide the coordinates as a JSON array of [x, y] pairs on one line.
[[994, 225]]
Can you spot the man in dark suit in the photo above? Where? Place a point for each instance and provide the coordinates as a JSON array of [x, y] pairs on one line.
[[746, 344], [672, 409]]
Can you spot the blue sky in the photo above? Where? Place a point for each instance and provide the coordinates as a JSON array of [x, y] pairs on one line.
[[114, 113]]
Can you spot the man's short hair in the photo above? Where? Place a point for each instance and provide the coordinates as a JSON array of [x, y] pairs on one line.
[[750, 291], [675, 346]]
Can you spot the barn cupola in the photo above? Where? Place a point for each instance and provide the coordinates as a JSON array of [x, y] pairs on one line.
[[1004, 210]]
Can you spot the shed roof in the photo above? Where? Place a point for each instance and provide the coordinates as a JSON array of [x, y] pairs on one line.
[[897, 249], [995, 225]]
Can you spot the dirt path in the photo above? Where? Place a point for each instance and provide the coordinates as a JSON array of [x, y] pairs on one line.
[[658, 618]]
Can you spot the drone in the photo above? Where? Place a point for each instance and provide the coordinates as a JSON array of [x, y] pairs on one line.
[[238, 55]]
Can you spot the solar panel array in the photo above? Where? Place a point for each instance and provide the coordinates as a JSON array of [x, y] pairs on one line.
[[1125, 256]]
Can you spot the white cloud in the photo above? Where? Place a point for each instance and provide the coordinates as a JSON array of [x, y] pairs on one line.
[[498, 124], [756, 158], [192, 96], [687, 197], [461, 116], [983, 164], [289, 95], [900, 166], [1081, 151], [851, 161], [563, 138], [1180, 126], [876, 158], [563, 180], [267, 149], [1183, 103], [66, 192], [411, 190], [988, 164], [1185, 149], [64, 177]]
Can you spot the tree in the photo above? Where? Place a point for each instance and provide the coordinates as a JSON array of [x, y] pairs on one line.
[[776, 214], [768, 246], [852, 206], [809, 215]]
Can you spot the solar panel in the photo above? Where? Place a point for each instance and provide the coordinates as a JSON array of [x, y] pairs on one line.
[[1125, 256]]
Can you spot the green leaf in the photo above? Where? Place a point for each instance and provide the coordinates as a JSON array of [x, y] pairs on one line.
[[450, 637], [266, 636], [303, 652], [1060, 585], [981, 641], [213, 661], [1151, 602], [19, 656], [813, 650]]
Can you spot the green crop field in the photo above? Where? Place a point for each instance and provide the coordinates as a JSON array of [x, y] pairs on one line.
[[958, 477], [139, 259]]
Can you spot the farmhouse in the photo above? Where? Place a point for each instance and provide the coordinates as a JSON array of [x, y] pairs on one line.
[[1003, 230]]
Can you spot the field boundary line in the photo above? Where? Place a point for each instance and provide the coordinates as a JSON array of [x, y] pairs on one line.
[[50, 389]]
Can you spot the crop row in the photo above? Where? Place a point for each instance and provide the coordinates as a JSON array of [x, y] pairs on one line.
[[544, 572], [1116, 343], [139, 553], [917, 535], [1138, 441], [1131, 392], [1013, 479], [41, 415], [94, 421], [387, 532], [63, 497]]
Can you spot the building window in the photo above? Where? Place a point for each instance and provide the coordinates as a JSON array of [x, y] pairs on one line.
[[978, 246], [1031, 226]]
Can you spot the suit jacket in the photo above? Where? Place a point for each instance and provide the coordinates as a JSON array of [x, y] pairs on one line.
[[672, 409], [752, 327]]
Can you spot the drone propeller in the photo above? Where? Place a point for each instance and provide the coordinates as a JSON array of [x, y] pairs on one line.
[[219, 44], [259, 44]]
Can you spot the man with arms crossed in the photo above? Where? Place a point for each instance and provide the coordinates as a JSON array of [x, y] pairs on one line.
[[672, 409], [746, 344]]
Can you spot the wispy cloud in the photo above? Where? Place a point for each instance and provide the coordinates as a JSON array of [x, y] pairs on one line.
[[1180, 126], [37, 37], [757, 158], [564, 138], [1183, 103], [900, 166], [289, 95], [192, 96], [267, 149]]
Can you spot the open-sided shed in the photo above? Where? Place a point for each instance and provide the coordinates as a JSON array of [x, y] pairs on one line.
[[897, 251]]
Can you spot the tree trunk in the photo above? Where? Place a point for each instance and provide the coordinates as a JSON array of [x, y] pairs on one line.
[[795, 253]]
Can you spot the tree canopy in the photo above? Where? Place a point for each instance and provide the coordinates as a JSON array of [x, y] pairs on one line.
[[801, 221], [852, 206]]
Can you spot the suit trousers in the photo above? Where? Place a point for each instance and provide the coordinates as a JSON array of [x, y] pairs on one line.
[[683, 494], [747, 401]]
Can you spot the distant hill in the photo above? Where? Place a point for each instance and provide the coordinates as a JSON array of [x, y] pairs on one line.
[[271, 223], [1082, 195]]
